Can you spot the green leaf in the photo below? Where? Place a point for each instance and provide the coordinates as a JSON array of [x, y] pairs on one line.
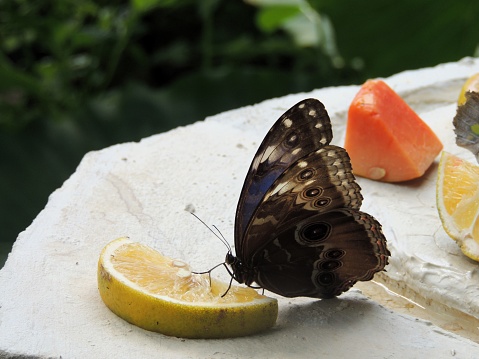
[[265, 3], [271, 18], [206, 9], [14, 78], [141, 6], [304, 30]]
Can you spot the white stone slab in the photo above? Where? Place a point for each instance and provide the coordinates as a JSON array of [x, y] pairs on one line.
[[49, 302]]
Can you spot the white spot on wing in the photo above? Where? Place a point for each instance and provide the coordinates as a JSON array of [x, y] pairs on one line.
[[268, 219], [287, 122], [302, 164], [266, 255], [267, 153], [279, 189], [273, 191], [277, 244], [312, 112]]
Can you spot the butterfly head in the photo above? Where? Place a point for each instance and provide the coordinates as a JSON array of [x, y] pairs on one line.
[[241, 273]]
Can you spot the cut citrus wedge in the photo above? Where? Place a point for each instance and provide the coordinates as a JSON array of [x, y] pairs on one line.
[[161, 294], [457, 196], [471, 84]]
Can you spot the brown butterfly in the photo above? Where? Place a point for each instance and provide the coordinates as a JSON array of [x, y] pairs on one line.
[[298, 227]]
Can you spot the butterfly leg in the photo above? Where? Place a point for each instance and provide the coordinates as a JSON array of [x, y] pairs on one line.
[[232, 277], [227, 269], [212, 269], [229, 286], [209, 271]]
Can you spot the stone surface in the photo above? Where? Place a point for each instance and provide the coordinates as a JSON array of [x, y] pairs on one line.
[[49, 302]]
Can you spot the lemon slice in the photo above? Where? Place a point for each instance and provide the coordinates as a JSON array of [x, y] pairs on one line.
[[161, 294], [457, 196], [471, 84]]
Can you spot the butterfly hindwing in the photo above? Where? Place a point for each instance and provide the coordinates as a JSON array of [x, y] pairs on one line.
[[323, 255], [300, 130]]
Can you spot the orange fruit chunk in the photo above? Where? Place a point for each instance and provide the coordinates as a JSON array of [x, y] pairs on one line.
[[386, 140]]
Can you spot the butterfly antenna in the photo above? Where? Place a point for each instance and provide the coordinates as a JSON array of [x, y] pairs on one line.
[[223, 239], [219, 236]]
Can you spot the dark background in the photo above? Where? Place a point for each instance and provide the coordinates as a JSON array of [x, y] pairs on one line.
[[80, 75]]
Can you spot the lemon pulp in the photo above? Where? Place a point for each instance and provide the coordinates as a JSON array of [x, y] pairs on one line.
[[458, 202], [161, 294]]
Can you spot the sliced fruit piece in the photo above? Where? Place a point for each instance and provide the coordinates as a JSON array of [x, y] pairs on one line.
[[385, 138], [457, 196], [161, 294], [471, 84]]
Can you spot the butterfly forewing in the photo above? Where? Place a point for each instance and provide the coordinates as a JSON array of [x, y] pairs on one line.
[[300, 130]]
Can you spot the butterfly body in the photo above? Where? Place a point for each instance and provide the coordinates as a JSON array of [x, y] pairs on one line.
[[298, 228]]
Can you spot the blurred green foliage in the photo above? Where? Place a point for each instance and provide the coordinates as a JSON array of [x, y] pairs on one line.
[[79, 75]]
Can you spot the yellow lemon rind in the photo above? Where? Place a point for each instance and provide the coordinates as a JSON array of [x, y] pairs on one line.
[[177, 318], [469, 247]]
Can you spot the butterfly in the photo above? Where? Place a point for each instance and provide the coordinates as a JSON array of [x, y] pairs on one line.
[[466, 123], [298, 227]]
